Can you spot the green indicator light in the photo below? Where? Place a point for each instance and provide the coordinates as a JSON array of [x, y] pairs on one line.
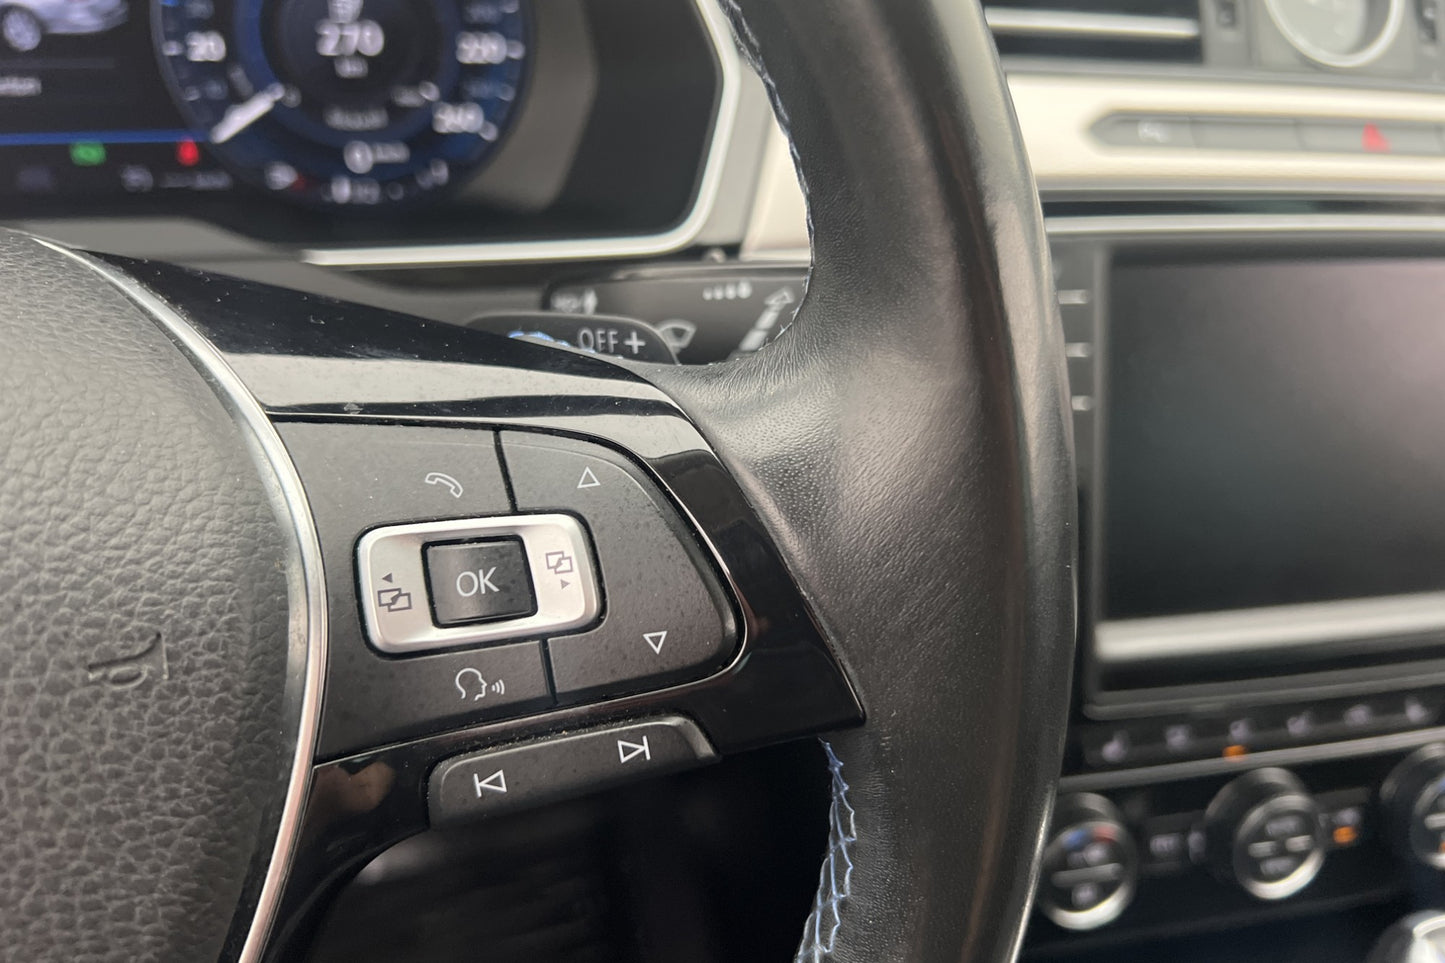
[[87, 153]]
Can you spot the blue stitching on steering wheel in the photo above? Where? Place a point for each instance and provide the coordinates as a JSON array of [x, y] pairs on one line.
[[835, 879]]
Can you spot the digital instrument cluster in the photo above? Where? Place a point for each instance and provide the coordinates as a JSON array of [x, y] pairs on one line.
[[321, 103]]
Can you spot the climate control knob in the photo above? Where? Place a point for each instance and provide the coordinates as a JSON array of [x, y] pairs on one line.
[[1089, 866], [1414, 799], [1264, 833]]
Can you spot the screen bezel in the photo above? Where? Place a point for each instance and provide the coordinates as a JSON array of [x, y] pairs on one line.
[[1250, 672]]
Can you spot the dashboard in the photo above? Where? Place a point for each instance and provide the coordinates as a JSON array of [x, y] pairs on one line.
[[1246, 206]]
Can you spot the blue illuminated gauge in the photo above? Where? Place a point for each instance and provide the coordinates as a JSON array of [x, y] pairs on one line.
[[351, 103]]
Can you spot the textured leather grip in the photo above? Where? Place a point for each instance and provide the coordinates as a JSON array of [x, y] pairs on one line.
[[144, 732]]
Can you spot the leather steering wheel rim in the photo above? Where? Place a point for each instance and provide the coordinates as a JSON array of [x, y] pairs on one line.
[[908, 443]]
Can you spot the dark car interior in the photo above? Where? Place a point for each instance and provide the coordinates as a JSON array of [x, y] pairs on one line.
[[631, 481]]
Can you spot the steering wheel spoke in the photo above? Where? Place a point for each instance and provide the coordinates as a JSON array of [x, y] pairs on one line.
[[552, 469]]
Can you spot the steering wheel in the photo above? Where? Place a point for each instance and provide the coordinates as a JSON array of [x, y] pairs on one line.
[[882, 499]]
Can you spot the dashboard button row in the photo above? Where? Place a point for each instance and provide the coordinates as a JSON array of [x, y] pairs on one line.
[[1157, 741], [1275, 134]]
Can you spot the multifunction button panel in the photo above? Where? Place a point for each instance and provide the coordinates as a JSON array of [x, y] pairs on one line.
[[476, 575]]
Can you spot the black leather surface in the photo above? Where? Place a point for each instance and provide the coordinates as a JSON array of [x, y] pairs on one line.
[[143, 633], [907, 441]]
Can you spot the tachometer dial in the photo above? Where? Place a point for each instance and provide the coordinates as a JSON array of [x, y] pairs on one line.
[[346, 102]]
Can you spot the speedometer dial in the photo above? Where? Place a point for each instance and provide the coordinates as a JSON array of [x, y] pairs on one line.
[[346, 102], [1339, 33]]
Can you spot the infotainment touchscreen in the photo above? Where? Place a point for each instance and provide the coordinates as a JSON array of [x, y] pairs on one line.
[[1275, 434]]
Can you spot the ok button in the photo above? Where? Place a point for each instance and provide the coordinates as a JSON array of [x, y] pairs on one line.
[[480, 581]]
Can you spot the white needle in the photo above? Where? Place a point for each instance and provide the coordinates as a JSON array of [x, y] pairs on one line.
[[240, 116]]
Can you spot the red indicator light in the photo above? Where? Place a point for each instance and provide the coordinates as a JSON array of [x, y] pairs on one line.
[[1374, 141], [187, 153]]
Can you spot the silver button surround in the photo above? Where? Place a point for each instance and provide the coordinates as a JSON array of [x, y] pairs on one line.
[[1108, 909], [1302, 875], [394, 592]]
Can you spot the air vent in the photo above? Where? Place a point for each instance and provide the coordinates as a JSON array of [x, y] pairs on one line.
[[1150, 31]]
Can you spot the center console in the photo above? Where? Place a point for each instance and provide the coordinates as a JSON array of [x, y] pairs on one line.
[[1258, 723]]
